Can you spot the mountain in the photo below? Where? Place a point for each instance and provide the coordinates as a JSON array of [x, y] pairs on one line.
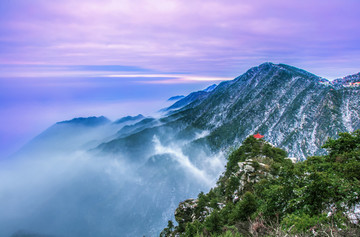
[[139, 126], [210, 88], [89, 121], [348, 81], [293, 108], [176, 98], [67, 136], [129, 178], [81, 133], [23, 233], [130, 119], [198, 95]]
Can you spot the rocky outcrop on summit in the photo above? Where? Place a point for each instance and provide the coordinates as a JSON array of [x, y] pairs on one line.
[[249, 172], [254, 161]]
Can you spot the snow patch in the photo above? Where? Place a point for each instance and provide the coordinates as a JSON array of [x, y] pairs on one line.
[[346, 116], [202, 134]]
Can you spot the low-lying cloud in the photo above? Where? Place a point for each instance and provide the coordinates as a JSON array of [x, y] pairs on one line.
[[62, 191]]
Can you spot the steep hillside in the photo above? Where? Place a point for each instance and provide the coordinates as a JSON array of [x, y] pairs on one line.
[[294, 109], [262, 193]]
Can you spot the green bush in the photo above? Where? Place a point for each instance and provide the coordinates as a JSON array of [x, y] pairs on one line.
[[302, 222], [244, 208], [214, 222]]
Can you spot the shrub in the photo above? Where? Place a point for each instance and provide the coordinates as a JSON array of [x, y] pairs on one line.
[[302, 222]]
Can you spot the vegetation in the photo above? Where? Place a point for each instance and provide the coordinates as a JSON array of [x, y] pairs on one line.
[[262, 193]]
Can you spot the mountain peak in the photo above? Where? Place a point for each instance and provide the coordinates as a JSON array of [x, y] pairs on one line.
[[266, 65], [269, 70], [262, 67]]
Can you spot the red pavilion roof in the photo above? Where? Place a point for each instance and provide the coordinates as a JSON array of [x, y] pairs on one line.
[[258, 136]]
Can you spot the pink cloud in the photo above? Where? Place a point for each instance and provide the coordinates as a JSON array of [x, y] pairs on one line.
[[173, 35]]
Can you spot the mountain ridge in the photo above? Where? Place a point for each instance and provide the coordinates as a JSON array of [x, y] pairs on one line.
[[87, 121], [286, 104], [304, 88]]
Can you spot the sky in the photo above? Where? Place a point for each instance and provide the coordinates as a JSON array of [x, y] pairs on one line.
[[65, 59]]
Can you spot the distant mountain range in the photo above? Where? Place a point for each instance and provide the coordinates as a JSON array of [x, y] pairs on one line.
[[182, 153]]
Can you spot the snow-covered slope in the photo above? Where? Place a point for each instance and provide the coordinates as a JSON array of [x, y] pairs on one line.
[[294, 109]]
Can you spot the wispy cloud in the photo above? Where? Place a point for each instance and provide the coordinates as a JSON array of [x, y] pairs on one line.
[[183, 160], [136, 74], [216, 37], [170, 78]]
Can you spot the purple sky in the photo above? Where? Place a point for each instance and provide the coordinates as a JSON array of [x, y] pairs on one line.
[[63, 59]]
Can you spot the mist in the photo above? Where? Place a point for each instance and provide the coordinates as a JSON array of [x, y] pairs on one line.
[[30, 105], [63, 184]]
